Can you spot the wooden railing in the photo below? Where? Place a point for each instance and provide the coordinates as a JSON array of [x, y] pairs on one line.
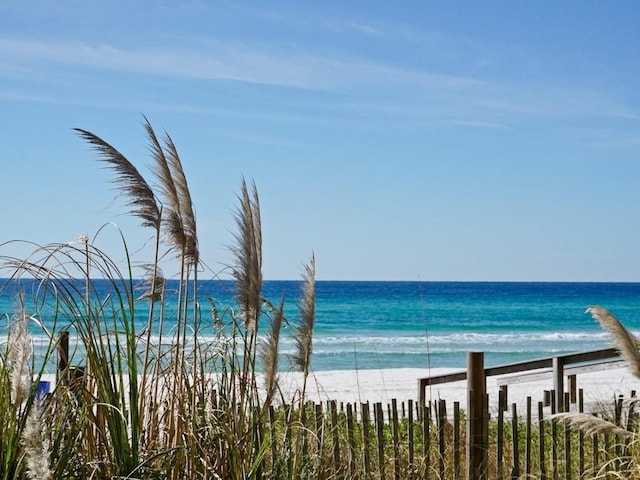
[[555, 367], [476, 377]]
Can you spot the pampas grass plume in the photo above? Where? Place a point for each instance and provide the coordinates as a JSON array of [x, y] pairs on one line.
[[19, 352], [304, 332], [270, 353], [591, 424], [36, 447], [625, 341]]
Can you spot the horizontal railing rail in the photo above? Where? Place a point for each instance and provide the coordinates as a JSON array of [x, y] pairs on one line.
[[556, 363]]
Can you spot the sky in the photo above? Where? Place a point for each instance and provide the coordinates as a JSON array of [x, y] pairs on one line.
[[412, 140]]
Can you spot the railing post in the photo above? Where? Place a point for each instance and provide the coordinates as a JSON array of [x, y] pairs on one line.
[[476, 434], [558, 382]]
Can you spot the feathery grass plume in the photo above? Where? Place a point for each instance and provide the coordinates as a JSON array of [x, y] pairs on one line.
[[153, 290], [269, 353], [248, 274], [184, 197], [190, 252], [591, 424], [248, 253], [36, 445], [625, 341], [132, 184], [180, 223], [20, 349], [307, 307]]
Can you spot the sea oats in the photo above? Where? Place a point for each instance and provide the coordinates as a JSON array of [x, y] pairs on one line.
[[142, 200], [591, 424], [269, 352], [20, 349], [307, 307], [36, 445], [626, 342], [248, 254]]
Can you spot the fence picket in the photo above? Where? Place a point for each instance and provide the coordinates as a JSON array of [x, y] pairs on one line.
[[352, 441], [396, 439], [364, 408], [411, 439], [500, 434], [527, 455], [542, 466], [442, 440], [380, 431], [515, 444]]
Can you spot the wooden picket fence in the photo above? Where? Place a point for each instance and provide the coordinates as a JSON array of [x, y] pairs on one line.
[[406, 441], [428, 439]]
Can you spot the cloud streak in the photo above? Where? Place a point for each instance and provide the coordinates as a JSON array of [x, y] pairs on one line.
[[230, 62], [471, 102]]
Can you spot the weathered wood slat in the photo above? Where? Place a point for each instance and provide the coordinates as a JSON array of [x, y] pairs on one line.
[[500, 436], [567, 442], [456, 440], [426, 436], [395, 426], [542, 466], [335, 435], [352, 441], [364, 408], [411, 440], [515, 443], [380, 432], [442, 439], [527, 457]]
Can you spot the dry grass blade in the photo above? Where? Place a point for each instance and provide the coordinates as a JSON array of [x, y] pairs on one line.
[[591, 424], [307, 307], [142, 200], [626, 342]]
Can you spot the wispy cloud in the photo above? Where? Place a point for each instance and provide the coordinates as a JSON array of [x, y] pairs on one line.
[[470, 123], [555, 101], [363, 28], [374, 85], [232, 62]]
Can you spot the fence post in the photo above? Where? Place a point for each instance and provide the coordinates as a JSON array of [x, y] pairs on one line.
[[558, 382], [476, 397]]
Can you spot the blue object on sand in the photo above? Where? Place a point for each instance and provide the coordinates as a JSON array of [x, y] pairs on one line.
[[44, 387]]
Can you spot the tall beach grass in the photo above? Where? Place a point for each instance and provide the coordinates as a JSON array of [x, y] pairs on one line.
[[139, 406]]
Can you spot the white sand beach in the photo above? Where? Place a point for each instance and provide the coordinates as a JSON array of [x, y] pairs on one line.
[[383, 385], [402, 384]]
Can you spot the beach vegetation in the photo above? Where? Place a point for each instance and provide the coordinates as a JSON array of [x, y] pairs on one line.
[[163, 383]]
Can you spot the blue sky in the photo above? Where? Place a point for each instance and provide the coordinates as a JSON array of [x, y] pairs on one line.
[[426, 140]]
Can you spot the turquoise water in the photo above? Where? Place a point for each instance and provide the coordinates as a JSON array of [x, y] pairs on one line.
[[363, 325]]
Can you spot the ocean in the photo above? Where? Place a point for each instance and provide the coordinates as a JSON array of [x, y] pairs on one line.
[[367, 325]]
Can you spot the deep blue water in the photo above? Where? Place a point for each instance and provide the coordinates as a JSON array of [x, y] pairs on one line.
[[427, 324]]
